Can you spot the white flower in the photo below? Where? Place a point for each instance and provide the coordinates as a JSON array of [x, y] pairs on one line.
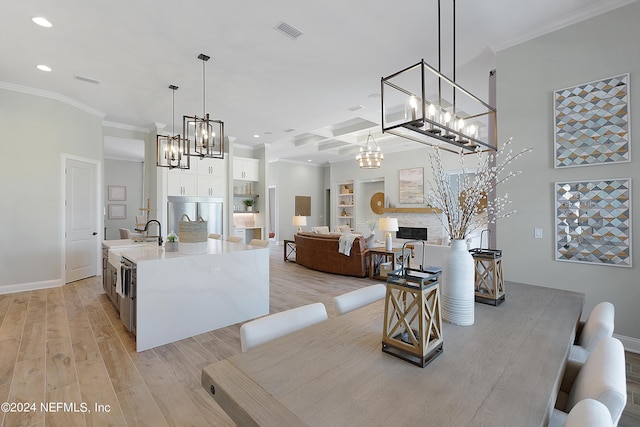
[[461, 210]]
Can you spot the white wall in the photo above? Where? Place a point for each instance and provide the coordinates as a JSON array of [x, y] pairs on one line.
[[296, 179], [130, 175], [527, 76], [36, 131]]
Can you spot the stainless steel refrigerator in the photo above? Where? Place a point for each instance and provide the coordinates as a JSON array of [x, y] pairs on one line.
[[209, 208]]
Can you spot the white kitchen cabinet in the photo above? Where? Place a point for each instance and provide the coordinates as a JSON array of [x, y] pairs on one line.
[[211, 186], [180, 183], [210, 167], [246, 169]]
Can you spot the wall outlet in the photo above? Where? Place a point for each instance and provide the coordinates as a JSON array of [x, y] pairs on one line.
[[537, 233]]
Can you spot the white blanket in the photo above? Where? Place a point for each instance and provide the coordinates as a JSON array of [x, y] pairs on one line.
[[346, 242], [114, 260]]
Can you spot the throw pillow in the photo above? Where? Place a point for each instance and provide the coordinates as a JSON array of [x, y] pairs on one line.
[[370, 241]]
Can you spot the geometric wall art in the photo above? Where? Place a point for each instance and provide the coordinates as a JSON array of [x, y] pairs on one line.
[[591, 123], [593, 221]]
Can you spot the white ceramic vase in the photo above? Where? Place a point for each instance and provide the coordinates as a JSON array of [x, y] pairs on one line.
[[458, 291]]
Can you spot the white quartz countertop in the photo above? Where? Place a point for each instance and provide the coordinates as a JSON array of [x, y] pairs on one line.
[[141, 252]]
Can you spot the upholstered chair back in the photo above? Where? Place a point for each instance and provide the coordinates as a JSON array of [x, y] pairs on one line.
[[265, 329], [599, 324], [589, 413], [602, 378], [360, 297]]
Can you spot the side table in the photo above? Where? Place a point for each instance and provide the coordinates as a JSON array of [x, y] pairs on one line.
[[289, 250], [380, 255]]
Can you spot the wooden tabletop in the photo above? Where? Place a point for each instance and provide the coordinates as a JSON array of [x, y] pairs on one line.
[[503, 371]]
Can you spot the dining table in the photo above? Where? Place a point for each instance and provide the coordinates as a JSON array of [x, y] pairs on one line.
[[504, 370]]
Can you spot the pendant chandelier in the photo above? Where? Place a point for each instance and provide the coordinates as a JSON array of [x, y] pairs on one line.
[[172, 151], [422, 104], [370, 156], [206, 134]]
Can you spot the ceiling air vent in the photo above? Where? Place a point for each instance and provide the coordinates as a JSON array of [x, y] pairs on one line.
[[288, 30], [86, 79]]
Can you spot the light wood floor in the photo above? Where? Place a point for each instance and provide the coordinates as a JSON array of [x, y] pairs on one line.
[[67, 346]]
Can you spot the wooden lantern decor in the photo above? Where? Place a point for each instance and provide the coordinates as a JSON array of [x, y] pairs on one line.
[[412, 319], [489, 281]]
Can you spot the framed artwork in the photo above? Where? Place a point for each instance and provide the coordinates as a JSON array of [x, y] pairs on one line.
[[117, 193], [591, 123], [411, 185], [593, 221], [303, 205], [117, 211]]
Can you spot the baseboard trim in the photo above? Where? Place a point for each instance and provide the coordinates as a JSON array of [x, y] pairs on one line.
[[32, 286], [629, 343]]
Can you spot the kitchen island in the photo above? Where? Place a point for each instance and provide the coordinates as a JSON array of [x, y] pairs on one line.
[[169, 296]]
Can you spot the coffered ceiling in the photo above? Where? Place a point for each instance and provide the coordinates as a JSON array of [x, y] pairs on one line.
[[311, 97]]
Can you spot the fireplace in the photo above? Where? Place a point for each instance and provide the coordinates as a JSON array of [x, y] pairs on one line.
[[412, 233]]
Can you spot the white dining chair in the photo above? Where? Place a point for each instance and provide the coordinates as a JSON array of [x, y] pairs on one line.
[[267, 328], [359, 298], [259, 242], [215, 236], [234, 239], [598, 325], [602, 377], [588, 413]]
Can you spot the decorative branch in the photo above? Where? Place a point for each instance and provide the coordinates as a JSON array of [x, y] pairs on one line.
[[461, 212]]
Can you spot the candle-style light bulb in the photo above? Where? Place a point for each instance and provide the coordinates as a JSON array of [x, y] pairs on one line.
[[413, 104], [472, 131]]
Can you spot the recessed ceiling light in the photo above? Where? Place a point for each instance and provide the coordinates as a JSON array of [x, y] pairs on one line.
[[43, 22], [309, 160], [256, 136], [42, 67]]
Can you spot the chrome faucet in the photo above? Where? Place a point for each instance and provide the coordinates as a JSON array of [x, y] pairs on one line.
[[159, 229]]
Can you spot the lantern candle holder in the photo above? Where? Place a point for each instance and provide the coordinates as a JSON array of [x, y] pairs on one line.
[[489, 281], [412, 316]]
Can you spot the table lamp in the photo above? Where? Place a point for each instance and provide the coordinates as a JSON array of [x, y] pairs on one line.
[[388, 225], [299, 220]]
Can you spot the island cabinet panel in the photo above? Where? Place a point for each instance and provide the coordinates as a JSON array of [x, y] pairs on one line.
[[182, 294]]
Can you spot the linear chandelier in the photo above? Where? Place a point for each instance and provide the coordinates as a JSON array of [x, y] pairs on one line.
[[207, 134], [170, 150], [370, 156], [422, 104]]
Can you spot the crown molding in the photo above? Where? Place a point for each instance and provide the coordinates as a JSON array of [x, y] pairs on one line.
[[574, 18], [52, 95], [124, 126]]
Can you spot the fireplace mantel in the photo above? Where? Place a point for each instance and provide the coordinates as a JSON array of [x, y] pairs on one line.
[[411, 210]]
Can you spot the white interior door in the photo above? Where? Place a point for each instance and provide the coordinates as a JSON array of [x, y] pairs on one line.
[[81, 228]]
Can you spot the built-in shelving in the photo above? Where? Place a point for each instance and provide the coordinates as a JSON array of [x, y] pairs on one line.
[[238, 201], [345, 204]]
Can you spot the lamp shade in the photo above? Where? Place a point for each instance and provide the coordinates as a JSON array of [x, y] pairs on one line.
[[299, 220], [388, 224]]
